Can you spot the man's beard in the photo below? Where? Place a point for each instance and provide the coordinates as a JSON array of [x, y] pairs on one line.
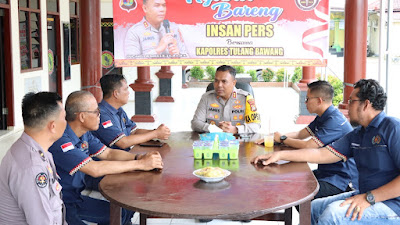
[[354, 123]]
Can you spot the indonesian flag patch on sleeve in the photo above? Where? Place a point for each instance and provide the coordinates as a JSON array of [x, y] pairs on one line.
[[67, 146], [107, 124]]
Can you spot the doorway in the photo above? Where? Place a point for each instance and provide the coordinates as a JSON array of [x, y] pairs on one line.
[[3, 107]]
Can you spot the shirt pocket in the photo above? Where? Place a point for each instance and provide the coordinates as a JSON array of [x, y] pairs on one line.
[[375, 158], [56, 203]]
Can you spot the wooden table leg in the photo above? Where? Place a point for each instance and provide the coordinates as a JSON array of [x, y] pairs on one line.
[[288, 216], [115, 214], [143, 219], [305, 213]]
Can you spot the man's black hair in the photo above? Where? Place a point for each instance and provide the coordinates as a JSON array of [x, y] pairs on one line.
[[322, 89], [231, 70], [109, 83], [40, 107], [371, 90]]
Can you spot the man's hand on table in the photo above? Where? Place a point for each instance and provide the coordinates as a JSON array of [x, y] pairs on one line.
[[228, 127], [266, 159], [163, 132], [151, 160]]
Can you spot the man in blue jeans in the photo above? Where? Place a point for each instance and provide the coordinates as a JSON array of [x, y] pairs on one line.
[[73, 154], [375, 146]]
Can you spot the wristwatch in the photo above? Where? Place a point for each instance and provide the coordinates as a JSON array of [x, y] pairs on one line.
[[283, 138], [370, 198]]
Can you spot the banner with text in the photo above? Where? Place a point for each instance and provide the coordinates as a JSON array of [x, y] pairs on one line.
[[216, 32]]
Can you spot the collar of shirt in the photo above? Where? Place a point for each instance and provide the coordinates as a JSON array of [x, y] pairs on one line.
[[31, 142], [72, 136], [327, 113], [109, 108], [148, 26], [376, 121]]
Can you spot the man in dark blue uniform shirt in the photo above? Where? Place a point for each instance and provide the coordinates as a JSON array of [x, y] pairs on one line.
[[73, 154], [327, 127], [116, 130], [375, 146]]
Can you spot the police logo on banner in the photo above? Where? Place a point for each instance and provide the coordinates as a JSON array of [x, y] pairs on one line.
[[306, 5], [41, 180], [127, 5]]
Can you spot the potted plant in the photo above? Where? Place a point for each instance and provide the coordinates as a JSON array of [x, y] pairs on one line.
[[197, 73], [211, 72]]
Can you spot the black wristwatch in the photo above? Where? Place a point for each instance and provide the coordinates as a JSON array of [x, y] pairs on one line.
[[283, 138], [370, 198]]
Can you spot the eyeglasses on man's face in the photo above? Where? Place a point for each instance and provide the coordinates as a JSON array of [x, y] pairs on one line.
[[308, 98], [97, 112], [353, 100]]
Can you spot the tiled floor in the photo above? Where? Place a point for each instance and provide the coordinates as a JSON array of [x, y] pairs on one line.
[[277, 106]]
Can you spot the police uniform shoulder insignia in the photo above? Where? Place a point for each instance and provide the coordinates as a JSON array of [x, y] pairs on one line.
[[234, 95], [145, 24], [67, 146], [376, 139], [41, 180]]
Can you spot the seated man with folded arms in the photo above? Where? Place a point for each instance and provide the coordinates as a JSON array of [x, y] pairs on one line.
[[116, 130], [73, 154], [329, 125], [375, 146], [233, 110], [29, 188]]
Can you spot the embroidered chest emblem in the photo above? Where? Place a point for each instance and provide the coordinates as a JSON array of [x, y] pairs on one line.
[[84, 145], [376, 139]]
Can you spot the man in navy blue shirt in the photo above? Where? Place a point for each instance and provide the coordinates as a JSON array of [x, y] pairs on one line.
[[327, 127], [116, 130], [73, 154], [375, 146]]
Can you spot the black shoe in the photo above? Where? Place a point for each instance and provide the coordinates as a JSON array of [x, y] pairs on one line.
[[245, 221], [205, 220]]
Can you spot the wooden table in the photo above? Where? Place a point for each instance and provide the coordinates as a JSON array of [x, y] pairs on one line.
[[249, 192]]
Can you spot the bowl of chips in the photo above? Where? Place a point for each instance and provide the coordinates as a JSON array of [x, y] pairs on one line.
[[211, 174]]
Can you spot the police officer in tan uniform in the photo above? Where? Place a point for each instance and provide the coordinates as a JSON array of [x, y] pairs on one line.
[[29, 189], [154, 37], [231, 109]]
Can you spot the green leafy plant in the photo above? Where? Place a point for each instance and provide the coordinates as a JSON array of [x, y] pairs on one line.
[[211, 72], [268, 74], [239, 69], [280, 75], [253, 75], [297, 75], [197, 72]]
